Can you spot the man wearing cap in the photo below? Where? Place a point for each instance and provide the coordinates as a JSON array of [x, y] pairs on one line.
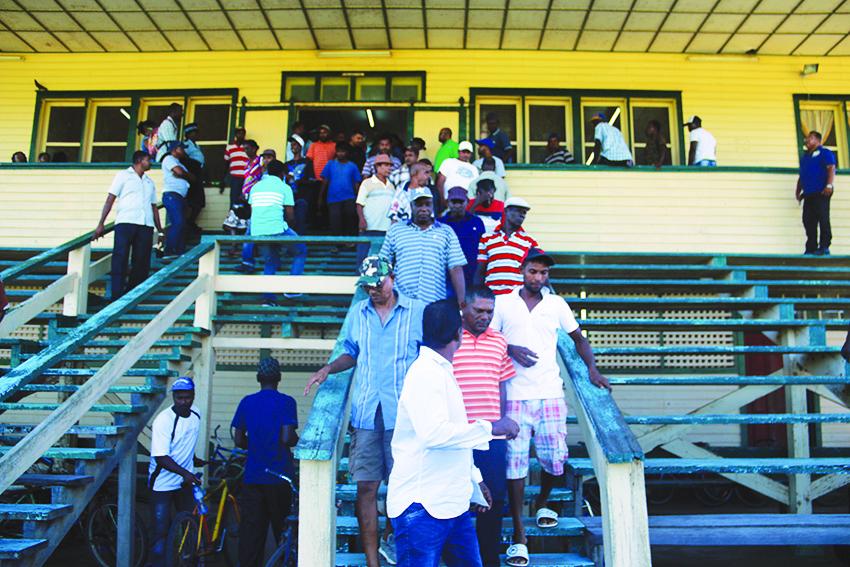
[[423, 251], [402, 175], [485, 153], [298, 129], [502, 147], [486, 207], [530, 318], [299, 177], [264, 424], [374, 199], [555, 154], [236, 160], [703, 145], [175, 186], [448, 148], [384, 147], [174, 434], [500, 252], [135, 218], [419, 144], [400, 210], [456, 172], [322, 151], [382, 339], [468, 229], [610, 147], [814, 189]]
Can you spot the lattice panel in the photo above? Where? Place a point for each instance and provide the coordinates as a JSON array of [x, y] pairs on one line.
[[625, 339]]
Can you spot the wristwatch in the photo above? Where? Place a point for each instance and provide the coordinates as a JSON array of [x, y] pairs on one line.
[[830, 185]]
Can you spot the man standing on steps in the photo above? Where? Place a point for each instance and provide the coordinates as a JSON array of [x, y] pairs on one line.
[[265, 424], [500, 253], [434, 479], [174, 434], [482, 367], [135, 218], [530, 318], [169, 130], [382, 339], [814, 189]]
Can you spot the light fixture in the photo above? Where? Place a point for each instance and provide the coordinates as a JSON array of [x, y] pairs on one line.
[[809, 69], [614, 116], [11, 57], [370, 117], [331, 54], [590, 159], [124, 112], [723, 58]]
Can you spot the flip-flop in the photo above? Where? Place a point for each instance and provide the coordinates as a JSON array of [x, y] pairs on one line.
[[517, 555], [546, 518]]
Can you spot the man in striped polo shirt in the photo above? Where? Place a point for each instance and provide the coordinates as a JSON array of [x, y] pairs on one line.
[[500, 252], [237, 161], [482, 367], [423, 251]]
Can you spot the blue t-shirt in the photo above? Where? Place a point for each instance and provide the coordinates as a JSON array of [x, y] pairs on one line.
[[813, 169], [469, 230], [502, 143], [341, 180], [263, 415]]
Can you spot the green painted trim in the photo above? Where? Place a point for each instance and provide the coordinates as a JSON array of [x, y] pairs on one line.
[[798, 98], [352, 90]]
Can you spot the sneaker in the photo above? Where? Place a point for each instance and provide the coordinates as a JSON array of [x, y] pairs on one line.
[[170, 256], [292, 295], [821, 252], [245, 268], [387, 549], [269, 304]]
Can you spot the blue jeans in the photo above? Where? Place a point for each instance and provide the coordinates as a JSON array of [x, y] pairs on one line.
[[132, 244], [492, 464], [175, 206], [160, 521], [420, 539], [363, 249], [248, 249], [706, 163], [271, 255]]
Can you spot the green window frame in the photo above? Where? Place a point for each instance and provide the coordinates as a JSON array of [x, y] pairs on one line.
[[366, 87], [841, 126]]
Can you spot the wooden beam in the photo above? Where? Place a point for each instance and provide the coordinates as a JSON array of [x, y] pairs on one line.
[[317, 514], [204, 363], [36, 304], [127, 508], [100, 268], [254, 343], [828, 483], [335, 285], [76, 301]]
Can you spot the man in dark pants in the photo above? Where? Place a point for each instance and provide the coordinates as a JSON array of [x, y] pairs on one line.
[[265, 425], [174, 434], [814, 188], [135, 218]]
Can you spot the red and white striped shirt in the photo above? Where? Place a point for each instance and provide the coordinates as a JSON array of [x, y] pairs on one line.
[[504, 257], [237, 158], [480, 364]]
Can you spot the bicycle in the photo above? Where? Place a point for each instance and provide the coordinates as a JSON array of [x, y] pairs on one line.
[[101, 532], [230, 467], [189, 539], [286, 554]]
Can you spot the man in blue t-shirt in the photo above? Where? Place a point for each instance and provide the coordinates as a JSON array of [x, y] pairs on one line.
[[340, 181], [265, 425], [814, 188]]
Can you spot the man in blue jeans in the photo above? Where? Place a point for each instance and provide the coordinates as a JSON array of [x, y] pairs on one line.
[[175, 185], [271, 200], [434, 479]]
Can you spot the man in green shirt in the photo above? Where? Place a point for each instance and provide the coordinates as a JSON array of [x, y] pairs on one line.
[[448, 149]]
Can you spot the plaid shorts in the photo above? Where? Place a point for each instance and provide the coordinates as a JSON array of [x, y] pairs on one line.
[[546, 421]]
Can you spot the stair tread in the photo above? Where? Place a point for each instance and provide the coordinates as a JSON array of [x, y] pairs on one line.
[[37, 512], [72, 453], [53, 480], [18, 548], [139, 389], [348, 493], [12, 429], [347, 525], [534, 560], [110, 408], [731, 465]]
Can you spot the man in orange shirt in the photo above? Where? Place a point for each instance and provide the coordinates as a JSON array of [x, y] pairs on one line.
[[321, 153]]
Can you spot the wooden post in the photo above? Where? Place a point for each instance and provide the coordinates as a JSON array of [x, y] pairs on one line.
[[127, 507], [799, 485], [625, 525], [79, 261], [317, 514], [205, 308]]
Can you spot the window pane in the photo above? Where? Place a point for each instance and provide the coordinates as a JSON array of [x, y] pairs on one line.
[[507, 117], [110, 125], [641, 115], [157, 113], [334, 89], [66, 124], [538, 154], [213, 163], [301, 88], [213, 121], [372, 88], [546, 120], [589, 111], [62, 154], [101, 154]]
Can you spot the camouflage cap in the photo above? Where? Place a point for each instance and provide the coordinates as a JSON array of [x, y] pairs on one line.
[[373, 270]]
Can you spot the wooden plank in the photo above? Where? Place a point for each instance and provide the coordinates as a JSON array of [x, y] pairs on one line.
[[24, 312], [43, 258], [126, 508], [339, 285], [828, 483], [348, 493], [53, 480], [76, 301], [776, 465], [18, 548], [33, 512], [317, 514], [738, 419], [254, 343], [100, 268], [725, 380], [534, 560]]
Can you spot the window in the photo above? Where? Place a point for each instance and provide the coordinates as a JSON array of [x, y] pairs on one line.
[[663, 112], [353, 86], [108, 141], [828, 119], [508, 110], [62, 129], [546, 116], [613, 109], [213, 119]]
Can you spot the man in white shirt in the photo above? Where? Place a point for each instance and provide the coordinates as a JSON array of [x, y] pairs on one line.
[[135, 218], [174, 434], [373, 204], [434, 479], [485, 152], [169, 130], [175, 186], [456, 172], [530, 318], [703, 147]]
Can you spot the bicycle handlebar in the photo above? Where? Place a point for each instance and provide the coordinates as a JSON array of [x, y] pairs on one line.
[[282, 477]]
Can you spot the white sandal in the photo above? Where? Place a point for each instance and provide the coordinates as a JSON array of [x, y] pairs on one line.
[[546, 518], [517, 555]]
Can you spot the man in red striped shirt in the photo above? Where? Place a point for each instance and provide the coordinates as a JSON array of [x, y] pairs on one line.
[[500, 253], [237, 161], [481, 368]]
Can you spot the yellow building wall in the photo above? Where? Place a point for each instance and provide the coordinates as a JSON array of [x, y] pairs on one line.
[[747, 106]]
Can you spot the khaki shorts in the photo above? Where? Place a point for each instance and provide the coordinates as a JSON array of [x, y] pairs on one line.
[[370, 456]]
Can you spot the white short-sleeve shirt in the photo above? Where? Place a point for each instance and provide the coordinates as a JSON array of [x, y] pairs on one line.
[[706, 144], [171, 182], [173, 436], [135, 196], [458, 174], [500, 165], [536, 330]]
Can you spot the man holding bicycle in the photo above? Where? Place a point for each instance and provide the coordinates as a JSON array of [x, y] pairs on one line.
[[174, 434], [265, 425]]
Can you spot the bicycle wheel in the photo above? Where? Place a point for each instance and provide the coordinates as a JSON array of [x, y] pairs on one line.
[[102, 535], [230, 536], [284, 556], [713, 496], [182, 547], [750, 498]]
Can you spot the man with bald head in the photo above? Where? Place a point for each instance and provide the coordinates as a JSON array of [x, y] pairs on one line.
[[448, 149]]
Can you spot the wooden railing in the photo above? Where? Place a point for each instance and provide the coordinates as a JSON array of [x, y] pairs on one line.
[[617, 461]]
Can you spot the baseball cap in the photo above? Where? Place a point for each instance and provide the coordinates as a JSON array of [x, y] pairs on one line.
[[182, 383], [373, 270], [598, 116], [268, 368], [693, 119], [458, 193], [486, 142], [175, 144], [420, 192], [269, 152], [297, 138], [538, 255], [383, 158], [189, 127], [554, 135], [517, 202], [464, 146], [325, 126]]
